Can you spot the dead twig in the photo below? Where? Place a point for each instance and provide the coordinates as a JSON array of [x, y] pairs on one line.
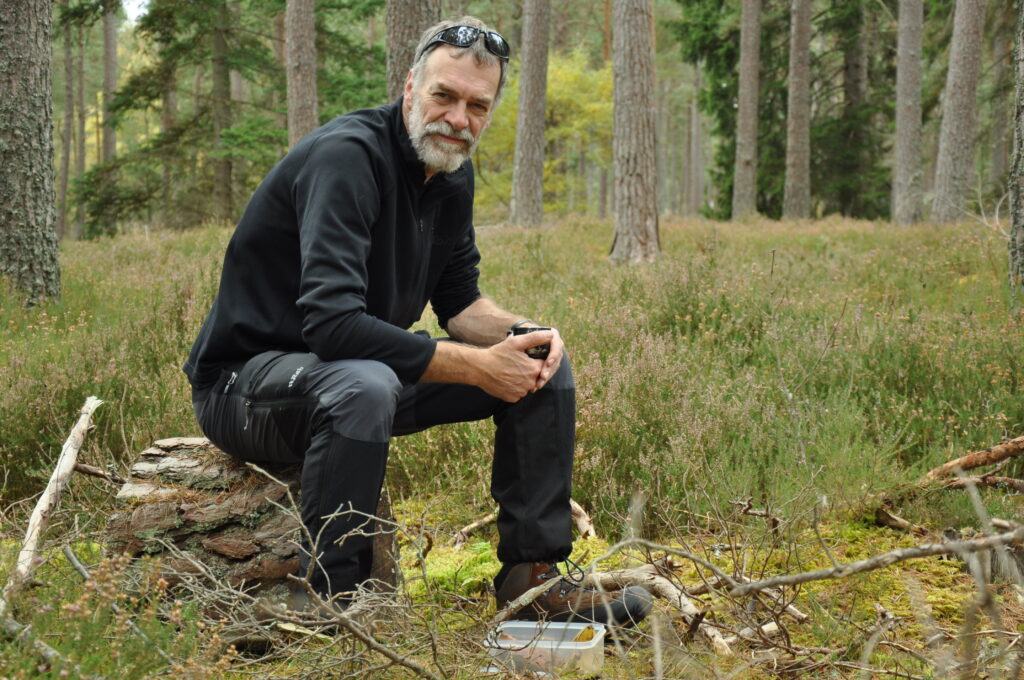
[[989, 456], [879, 561], [463, 534], [582, 519], [92, 471]]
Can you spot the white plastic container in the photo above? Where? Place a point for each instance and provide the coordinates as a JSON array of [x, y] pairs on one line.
[[546, 647]]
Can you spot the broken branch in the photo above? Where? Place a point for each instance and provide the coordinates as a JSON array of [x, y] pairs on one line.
[[989, 456]]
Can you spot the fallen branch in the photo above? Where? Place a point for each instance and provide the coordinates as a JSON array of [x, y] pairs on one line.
[[989, 456], [47, 503], [97, 472], [580, 517], [650, 578], [463, 534], [985, 480], [884, 560], [885, 518], [583, 522]]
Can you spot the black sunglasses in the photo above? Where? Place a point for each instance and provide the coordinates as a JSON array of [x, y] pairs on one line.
[[465, 36]]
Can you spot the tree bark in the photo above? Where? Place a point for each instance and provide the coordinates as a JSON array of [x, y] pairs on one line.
[[797, 192], [28, 240], [695, 166], [300, 39], [220, 109], [68, 130], [635, 186], [907, 198], [406, 21], [168, 120], [959, 113], [744, 188], [79, 124], [528, 169], [109, 78], [1016, 183]]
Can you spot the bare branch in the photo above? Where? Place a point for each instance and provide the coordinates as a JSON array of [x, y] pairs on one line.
[[989, 456]]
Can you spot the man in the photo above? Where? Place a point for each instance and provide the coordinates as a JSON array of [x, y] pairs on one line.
[[305, 354]]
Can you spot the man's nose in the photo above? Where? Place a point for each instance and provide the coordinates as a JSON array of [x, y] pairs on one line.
[[456, 116]]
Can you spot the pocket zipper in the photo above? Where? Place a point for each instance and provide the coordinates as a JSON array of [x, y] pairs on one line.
[[231, 381]]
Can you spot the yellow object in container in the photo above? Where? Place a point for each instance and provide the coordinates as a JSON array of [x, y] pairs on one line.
[[547, 647]]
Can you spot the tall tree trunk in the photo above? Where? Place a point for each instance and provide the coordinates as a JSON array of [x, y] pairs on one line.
[[80, 124], [68, 131], [28, 241], [406, 21], [796, 202], [907, 194], [956, 135], [1017, 167], [855, 88], [300, 38], [220, 109], [109, 78], [168, 120], [528, 169], [1003, 48], [744, 188], [635, 186], [695, 201]]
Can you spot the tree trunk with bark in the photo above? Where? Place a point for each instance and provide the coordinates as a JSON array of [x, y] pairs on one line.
[[635, 186], [907, 197], [1016, 183], [528, 168], [110, 21], [744, 187], [300, 39], [28, 240], [406, 21], [220, 109], [959, 113], [797, 192]]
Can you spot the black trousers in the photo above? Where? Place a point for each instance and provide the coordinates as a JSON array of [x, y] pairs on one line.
[[337, 417]]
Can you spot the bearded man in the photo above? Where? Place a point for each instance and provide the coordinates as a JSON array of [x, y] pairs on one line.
[[306, 356]]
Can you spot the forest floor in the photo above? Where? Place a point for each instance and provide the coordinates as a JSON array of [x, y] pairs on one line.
[[746, 404]]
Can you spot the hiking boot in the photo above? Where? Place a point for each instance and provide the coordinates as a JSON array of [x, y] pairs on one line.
[[567, 600]]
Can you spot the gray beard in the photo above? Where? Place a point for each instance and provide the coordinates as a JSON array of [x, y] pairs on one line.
[[436, 154]]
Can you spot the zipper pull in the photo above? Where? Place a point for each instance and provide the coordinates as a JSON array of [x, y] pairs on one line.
[[248, 414], [421, 225], [231, 381]]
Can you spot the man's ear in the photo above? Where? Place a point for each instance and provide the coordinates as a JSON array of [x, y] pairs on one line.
[[407, 90]]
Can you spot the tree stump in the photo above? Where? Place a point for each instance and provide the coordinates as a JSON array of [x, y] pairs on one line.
[[190, 503]]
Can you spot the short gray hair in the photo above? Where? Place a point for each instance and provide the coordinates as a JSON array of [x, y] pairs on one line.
[[480, 53]]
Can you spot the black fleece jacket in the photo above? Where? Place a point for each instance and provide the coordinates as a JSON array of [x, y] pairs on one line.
[[339, 251]]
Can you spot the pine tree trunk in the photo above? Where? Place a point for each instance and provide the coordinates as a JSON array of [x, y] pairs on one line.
[[907, 200], [1016, 183], [300, 38], [28, 241], [406, 21], [1002, 76], [797, 192], [80, 125], [220, 107], [744, 189], [528, 169], [855, 87], [635, 185], [68, 131], [168, 120], [109, 79], [959, 113], [696, 153]]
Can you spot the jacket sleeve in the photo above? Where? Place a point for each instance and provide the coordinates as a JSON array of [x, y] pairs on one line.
[[337, 196], [458, 286]]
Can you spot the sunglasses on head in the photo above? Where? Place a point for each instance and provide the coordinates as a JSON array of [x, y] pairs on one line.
[[465, 36]]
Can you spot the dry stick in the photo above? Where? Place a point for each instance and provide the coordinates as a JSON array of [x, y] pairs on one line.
[[97, 472], [580, 516], [81, 569], [463, 534], [989, 456], [48, 502], [884, 560], [985, 480]]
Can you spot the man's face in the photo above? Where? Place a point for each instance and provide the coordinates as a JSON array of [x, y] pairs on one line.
[[447, 112]]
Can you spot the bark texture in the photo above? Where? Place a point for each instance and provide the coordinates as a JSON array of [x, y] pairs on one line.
[[959, 113], [300, 40], [907, 197], [796, 202], [193, 504], [636, 200], [220, 108], [528, 170], [109, 78], [1016, 182], [406, 21], [744, 187], [28, 240]]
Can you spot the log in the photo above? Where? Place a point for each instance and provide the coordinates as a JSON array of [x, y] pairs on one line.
[[989, 456], [185, 493]]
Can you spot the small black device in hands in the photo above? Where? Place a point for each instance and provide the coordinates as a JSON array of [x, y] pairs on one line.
[[538, 351]]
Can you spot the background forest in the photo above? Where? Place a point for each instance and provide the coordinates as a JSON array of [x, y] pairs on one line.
[[819, 310]]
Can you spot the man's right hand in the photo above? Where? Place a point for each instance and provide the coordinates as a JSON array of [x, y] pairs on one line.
[[507, 372]]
